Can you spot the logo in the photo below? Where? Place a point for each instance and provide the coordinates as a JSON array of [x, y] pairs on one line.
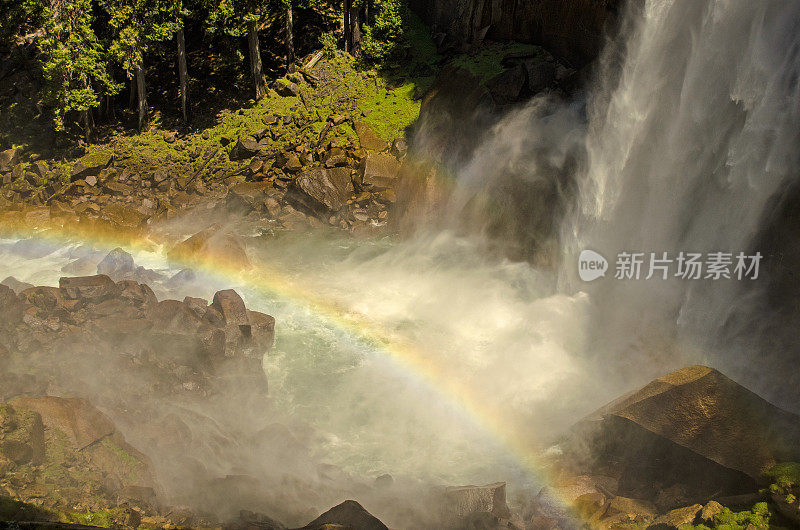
[[591, 265]]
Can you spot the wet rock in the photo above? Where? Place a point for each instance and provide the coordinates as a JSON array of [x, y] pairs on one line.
[[124, 216], [381, 171], [713, 437], [33, 248], [213, 243], [262, 330], [399, 148], [10, 307], [117, 263], [92, 289], [82, 423], [368, 138], [348, 515], [16, 285], [231, 306], [540, 74], [323, 189], [465, 500], [81, 266], [90, 164]]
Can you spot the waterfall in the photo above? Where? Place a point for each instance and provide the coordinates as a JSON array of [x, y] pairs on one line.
[[692, 137]]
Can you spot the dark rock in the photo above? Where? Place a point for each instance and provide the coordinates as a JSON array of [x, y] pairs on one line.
[[323, 189], [709, 512], [288, 161], [712, 436], [9, 158], [90, 164], [286, 88], [117, 263], [92, 289], [349, 515], [246, 147], [507, 86], [540, 74]]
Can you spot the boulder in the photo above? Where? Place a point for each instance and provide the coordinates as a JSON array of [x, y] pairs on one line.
[[10, 158], [213, 243], [21, 436], [381, 171], [262, 330], [92, 289], [676, 518], [288, 161], [348, 515], [117, 263], [231, 306], [90, 164], [246, 147], [711, 510], [10, 307], [124, 216], [539, 74], [286, 88], [465, 500], [506, 87], [368, 138], [322, 189], [694, 428], [399, 148]]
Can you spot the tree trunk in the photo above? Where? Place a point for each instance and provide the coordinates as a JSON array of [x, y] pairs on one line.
[[87, 118], [132, 94], [182, 73], [142, 93], [355, 30], [347, 38], [289, 35], [255, 59]]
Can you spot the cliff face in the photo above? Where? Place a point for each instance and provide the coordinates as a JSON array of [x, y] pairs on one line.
[[571, 29]]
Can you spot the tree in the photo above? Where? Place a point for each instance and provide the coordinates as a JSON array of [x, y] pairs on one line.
[[73, 62], [183, 72], [137, 24], [289, 17], [385, 36], [238, 18]]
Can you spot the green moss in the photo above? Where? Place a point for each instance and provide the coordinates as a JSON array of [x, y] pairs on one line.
[[486, 63], [103, 518], [785, 474]]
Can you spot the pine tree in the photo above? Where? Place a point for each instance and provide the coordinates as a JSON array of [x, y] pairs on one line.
[[137, 24], [73, 62]]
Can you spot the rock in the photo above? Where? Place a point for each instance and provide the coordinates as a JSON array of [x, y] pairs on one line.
[[399, 148], [90, 164], [16, 285], [33, 248], [231, 306], [336, 157], [675, 518], [117, 263], [245, 195], [507, 86], [713, 437], [337, 119], [286, 88], [368, 138], [709, 512], [21, 436], [288, 161], [635, 510], [10, 306], [82, 423], [246, 148], [262, 330], [381, 171], [213, 243], [539, 74], [348, 515], [323, 189], [465, 500], [138, 294], [92, 289], [80, 267], [270, 119], [10, 158], [124, 216]]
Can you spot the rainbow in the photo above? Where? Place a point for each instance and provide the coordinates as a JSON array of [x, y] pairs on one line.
[[265, 278]]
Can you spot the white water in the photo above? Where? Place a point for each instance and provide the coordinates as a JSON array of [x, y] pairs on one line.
[[685, 148]]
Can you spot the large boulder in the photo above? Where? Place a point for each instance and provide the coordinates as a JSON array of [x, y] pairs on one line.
[[694, 428], [368, 138], [90, 164], [93, 289], [322, 190], [9, 158], [215, 243], [21, 436], [463, 501], [348, 515], [381, 171], [116, 263]]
